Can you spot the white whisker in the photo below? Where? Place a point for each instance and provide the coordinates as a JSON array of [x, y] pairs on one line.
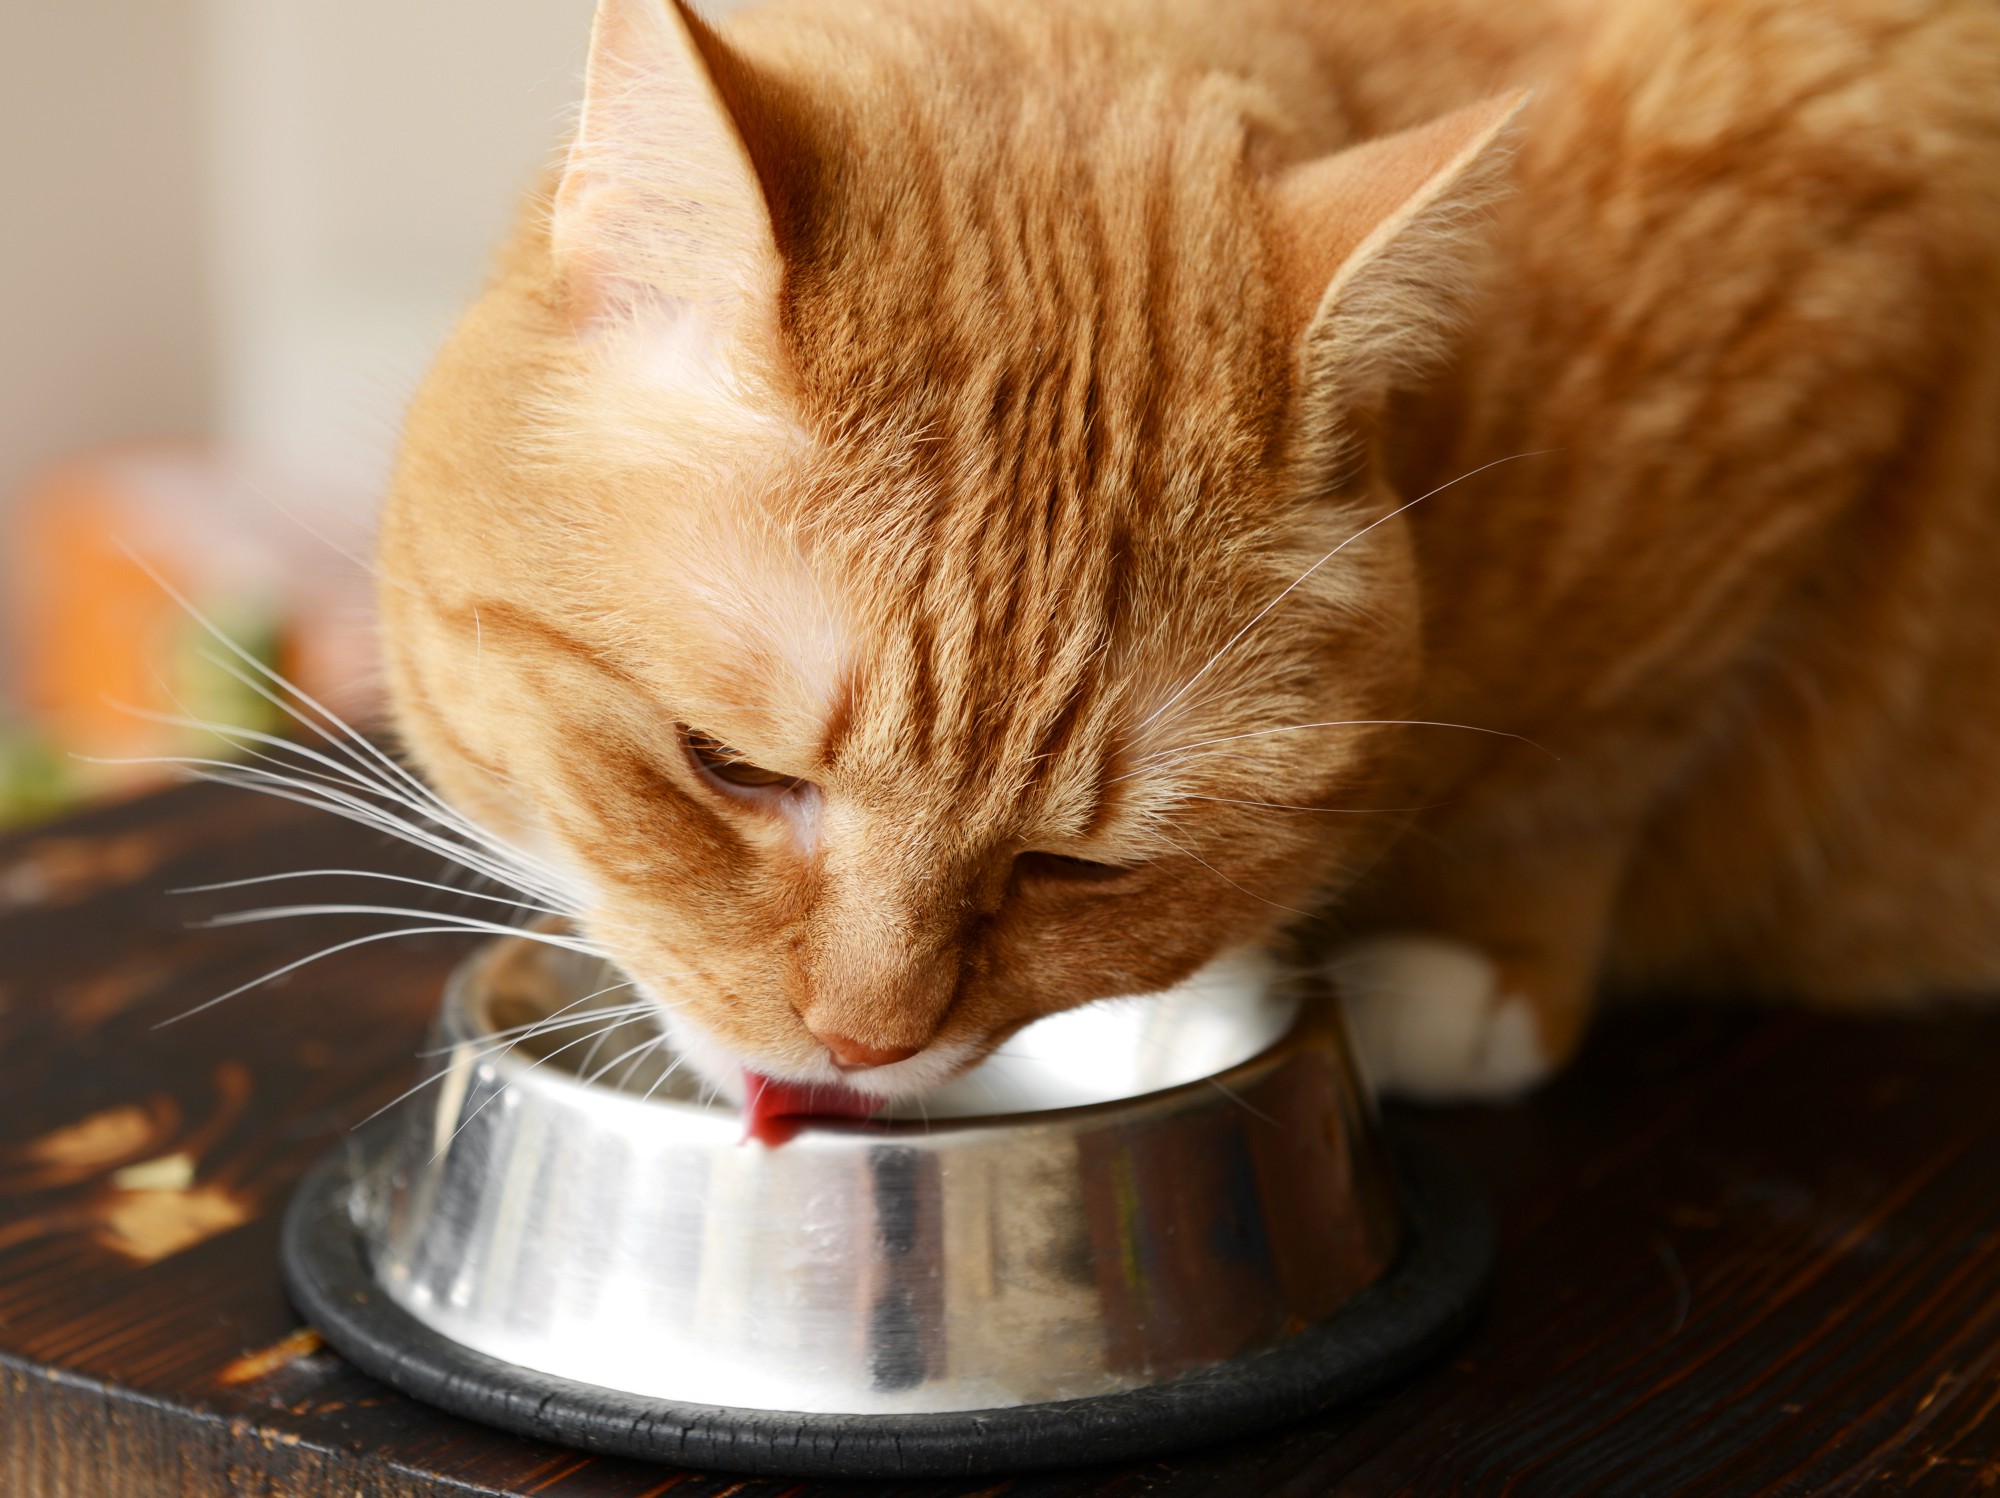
[[506, 1040], [480, 1055], [376, 772], [237, 736], [1259, 733], [360, 782], [318, 535], [342, 772], [326, 714], [290, 967], [466, 1122], [424, 802], [1306, 914], [367, 814], [617, 1013], [400, 785], [461, 894], [1242, 1102], [652, 1043], [626, 1079], [459, 922], [659, 1081], [1300, 580], [369, 760], [1343, 811], [326, 797]]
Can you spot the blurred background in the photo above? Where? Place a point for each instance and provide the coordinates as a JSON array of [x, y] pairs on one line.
[[236, 230]]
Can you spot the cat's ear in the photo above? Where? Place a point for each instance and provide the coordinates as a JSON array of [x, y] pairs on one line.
[[660, 211], [1377, 244]]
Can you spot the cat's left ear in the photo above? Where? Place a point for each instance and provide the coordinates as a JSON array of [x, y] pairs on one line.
[[660, 212], [1377, 245]]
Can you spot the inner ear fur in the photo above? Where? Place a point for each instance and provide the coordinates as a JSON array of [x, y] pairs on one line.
[[1377, 247], [661, 203]]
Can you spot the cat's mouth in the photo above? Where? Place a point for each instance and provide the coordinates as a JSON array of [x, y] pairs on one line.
[[778, 1092], [774, 1101], [774, 1110]]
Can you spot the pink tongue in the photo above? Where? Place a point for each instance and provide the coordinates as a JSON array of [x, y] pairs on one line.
[[773, 1110]]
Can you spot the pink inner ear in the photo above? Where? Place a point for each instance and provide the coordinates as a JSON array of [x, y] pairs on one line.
[[1357, 201], [774, 1111]]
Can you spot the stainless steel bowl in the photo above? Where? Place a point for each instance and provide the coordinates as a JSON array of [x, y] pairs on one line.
[[1121, 1196]]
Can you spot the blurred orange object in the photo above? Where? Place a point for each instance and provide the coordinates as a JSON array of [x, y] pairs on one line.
[[96, 636]]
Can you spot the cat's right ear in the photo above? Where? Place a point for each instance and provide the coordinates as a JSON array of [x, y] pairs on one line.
[[660, 214]]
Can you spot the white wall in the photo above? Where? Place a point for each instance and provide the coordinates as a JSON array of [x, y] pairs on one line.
[[253, 219], [367, 156], [104, 311]]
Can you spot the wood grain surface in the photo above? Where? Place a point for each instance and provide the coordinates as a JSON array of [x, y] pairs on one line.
[[1742, 1251]]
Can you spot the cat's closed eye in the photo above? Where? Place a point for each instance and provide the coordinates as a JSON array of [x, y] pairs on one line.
[[1063, 867], [717, 761]]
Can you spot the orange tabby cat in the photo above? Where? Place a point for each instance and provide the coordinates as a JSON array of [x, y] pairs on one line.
[[954, 508]]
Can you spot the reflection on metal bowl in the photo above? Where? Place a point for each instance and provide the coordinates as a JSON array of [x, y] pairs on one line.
[[964, 1262]]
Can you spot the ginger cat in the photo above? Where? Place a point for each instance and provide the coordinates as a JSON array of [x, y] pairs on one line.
[[951, 509]]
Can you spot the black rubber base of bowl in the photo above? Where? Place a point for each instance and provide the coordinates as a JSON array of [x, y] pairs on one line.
[[1411, 1314]]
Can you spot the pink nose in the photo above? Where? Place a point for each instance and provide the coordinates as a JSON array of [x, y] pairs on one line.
[[850, 1054]]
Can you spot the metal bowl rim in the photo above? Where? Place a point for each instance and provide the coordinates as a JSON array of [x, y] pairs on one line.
[[1309, 1018]]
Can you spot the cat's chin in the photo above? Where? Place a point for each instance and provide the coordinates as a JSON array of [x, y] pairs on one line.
[[724, 1069]]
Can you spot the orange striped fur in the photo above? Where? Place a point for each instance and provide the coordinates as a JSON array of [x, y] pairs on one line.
[[1248, 447]]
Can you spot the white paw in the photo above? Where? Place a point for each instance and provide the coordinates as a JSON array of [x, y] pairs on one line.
[[1429, 1022]]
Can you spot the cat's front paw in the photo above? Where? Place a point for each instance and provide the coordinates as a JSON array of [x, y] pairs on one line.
[[1431, 1019]]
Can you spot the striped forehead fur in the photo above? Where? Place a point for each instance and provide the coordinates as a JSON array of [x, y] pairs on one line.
[[1037, 355]]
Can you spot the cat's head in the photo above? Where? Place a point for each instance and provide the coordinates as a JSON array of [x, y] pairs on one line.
[[898, 532]]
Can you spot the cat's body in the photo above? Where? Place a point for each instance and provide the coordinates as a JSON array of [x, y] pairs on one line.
[[1747, 306], [1023, 429]]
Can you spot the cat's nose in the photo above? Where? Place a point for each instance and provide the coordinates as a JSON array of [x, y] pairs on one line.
[[850, 1054]]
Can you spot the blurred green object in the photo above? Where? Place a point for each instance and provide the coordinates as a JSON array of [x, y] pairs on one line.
[[200, 682], [36, 781], [211, 683]]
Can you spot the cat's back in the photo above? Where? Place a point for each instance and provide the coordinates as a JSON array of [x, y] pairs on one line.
[[1853, 97], [1750, 307], [1704, 64]]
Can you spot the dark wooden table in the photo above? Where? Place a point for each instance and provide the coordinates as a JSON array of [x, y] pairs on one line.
[[1741, 1251]]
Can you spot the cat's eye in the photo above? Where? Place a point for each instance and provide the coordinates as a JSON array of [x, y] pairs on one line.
[[726, 765], [1067, 869]]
